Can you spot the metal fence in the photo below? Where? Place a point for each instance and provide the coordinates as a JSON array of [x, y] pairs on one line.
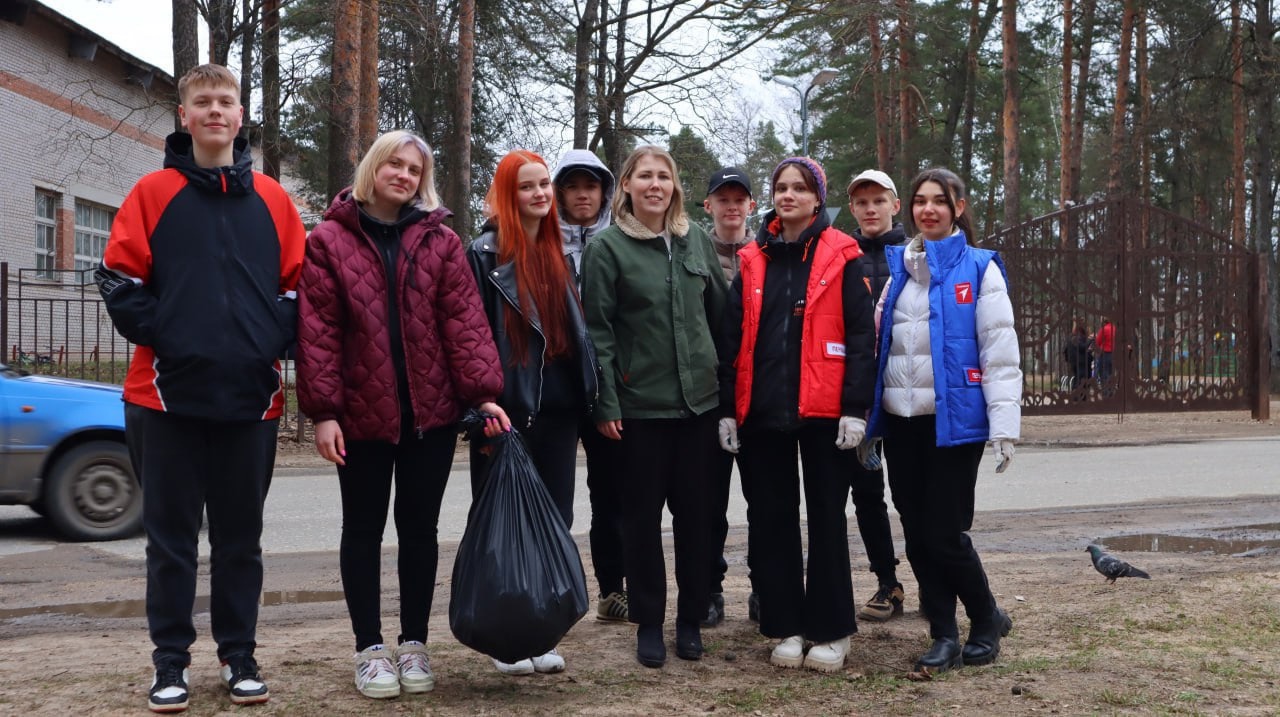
[[55, 323]]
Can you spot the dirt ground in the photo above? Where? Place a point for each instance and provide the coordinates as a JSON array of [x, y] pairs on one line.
[[1201, 637]]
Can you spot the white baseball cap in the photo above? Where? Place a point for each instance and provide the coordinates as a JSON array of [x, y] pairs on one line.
[[874, 176]]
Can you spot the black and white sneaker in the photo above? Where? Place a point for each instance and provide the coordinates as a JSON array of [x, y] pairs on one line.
[[240, 672], [168, 688]]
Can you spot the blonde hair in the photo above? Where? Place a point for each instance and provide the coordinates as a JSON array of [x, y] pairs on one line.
[[676, 215], [380, 151], [210, 75]]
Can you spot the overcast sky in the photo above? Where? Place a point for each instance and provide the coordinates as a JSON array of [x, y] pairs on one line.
[[143, 28]]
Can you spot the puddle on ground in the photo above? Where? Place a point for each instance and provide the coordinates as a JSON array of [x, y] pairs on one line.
[[1235, 540], [138, 608]]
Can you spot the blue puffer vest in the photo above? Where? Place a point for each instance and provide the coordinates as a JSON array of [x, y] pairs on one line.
[[956, 271]]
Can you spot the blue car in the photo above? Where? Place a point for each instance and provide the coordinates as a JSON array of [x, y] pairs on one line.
[[62, 452]]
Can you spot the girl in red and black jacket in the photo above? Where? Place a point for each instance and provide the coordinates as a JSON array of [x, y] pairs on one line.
[[797, 367], [393, 347], [531, 298]]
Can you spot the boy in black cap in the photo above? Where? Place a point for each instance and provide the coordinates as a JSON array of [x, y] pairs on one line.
[[729, 202]]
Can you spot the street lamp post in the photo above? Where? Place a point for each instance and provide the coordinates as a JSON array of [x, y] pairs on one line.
[[822, 77]]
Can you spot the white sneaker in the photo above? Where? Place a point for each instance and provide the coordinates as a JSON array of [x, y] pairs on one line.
[[788, 653], [414, 667], [827, 656], [375, 675], [549, 663], [523, 667]]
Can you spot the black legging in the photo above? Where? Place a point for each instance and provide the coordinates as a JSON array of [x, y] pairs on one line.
[[421, 467]]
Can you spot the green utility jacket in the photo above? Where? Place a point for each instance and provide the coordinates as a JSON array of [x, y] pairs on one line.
[[651, 317]]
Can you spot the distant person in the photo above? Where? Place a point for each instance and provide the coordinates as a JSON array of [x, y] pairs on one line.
[[199, 273], [1105, 343], [584, 188], [652, 290], [393, 347], [797, 373], [1079, 362], [949, 381], [873, 199], [730, 204], [548, 364]]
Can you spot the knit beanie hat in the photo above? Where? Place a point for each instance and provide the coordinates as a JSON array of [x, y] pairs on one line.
[[814, 168]]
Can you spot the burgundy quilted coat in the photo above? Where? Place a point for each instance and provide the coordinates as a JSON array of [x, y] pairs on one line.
[[345, 370]]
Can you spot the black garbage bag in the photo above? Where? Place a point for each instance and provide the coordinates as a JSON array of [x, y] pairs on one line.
[[518, 582]]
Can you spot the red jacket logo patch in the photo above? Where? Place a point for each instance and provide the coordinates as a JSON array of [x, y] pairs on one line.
[[973, 375], [964, 293]]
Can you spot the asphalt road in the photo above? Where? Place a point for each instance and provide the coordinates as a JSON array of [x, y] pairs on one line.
[[304, 514]]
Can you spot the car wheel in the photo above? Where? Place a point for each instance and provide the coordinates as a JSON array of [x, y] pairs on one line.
[[92, 494]]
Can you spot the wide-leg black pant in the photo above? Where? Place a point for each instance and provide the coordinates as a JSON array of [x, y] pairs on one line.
[[189, 467], [420, 466], [821, 608], [933, 491], [665, 461], [604, 490]]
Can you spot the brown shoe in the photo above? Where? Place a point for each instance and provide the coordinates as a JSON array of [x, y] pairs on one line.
[[884, 605], [613, 608]]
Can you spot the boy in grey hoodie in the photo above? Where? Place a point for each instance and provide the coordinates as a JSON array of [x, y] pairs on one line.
[[584, 188]]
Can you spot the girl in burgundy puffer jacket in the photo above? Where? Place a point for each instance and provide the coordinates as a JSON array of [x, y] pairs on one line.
[[393, 347]]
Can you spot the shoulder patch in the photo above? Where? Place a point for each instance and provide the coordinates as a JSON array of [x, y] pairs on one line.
[[964, 293]]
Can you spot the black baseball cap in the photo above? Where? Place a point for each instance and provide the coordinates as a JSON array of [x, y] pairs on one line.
[[729, 175]]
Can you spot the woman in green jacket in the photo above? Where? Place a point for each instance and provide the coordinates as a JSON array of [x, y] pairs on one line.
[[652, 291]]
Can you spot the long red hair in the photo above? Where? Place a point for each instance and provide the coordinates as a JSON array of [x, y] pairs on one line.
[[541, 273]]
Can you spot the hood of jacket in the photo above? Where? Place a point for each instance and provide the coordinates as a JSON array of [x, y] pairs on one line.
[[236, 178], [346, 211], [585, 159]]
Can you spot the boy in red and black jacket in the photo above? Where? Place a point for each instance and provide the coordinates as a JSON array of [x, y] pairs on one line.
[[199, 273]]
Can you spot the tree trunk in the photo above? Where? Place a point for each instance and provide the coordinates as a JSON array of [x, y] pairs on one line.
[[1082, 93], [186, 42], [271, 88], [368, 120], [970, 81], [249, 10], [461, 179], [1264, 206], [613, 149], [906, 102], [1237, 123], [877, 92], [1118, 144], [345, 89], [1064, 186], [220, 18], [604, 118], [582, 74], [1012, 189]]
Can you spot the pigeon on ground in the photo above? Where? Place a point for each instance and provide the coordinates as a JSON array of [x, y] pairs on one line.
[[1113, 567]]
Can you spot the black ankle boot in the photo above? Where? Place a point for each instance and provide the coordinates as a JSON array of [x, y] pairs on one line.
[[943, 656], [983, 645], [688, 640], [651, 651]]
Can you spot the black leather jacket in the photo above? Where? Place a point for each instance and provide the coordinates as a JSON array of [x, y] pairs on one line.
[[522, 385]]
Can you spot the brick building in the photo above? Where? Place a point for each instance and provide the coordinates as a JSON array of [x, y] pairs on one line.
[[80, 121]]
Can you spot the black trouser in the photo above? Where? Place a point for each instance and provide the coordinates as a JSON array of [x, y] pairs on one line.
[[552, 442], [933, 490], [867, 490], [822, 609], [721, 477], [666, 461], [189, 467], [604, 488], [420, 465]]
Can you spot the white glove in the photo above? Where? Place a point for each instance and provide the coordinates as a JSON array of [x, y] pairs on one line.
[[1003, 449], [729, 435], [850, 432]]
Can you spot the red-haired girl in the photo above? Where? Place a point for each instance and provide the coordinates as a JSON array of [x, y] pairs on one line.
[[531, 299]]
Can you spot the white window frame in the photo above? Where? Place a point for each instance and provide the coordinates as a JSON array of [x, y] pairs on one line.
[[46, 235], [91, 235]]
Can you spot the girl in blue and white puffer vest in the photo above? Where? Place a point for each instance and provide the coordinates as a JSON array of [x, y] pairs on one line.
[[949, 381]]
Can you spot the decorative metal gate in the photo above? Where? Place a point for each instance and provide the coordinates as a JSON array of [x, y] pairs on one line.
[[1186, 305]]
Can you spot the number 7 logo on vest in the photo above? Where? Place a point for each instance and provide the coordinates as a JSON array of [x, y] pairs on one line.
[[964, 293]]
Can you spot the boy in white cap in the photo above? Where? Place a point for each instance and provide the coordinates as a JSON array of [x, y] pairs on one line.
[[873, 199]]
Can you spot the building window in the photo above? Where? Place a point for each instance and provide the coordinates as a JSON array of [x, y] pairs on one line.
[[46, 232], [93, 227]]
